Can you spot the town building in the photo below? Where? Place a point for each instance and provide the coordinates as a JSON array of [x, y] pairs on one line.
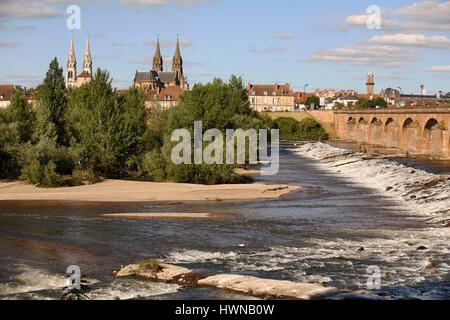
[[397, 99], [6, 92], [73, 79], [271, 97], [163, 87], [300, 99], [370, 84]]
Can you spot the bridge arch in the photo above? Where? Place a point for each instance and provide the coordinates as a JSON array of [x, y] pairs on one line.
[[351, 128], [361, 130], [433, 137], [411, 134], [392, 132], [376, 131]]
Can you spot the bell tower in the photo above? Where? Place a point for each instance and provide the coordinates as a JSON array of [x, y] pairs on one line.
[[71, 77], [370, 84]]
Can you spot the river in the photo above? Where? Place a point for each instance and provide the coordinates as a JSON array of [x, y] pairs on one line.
[[315, 234]]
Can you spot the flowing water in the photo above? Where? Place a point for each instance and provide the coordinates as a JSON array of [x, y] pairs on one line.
[[312, 235]]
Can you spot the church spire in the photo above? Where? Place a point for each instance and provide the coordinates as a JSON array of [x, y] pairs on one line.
[[87, 60], [177, 62], [157, 59], [72, 58], [71, 76], [178, 51]]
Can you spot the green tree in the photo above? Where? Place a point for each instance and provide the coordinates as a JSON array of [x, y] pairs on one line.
[[308, 129], [22, 114], [313, 101], [106, 128], [52, 104]]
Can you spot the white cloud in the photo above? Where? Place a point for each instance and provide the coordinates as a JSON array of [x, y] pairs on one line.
[[284, 36], [270, 49], [136, 4], [21, 9], [428, 15], [8, 45], [143, 3], [411, 40], [388, 56], [440, 69], [168, 43]]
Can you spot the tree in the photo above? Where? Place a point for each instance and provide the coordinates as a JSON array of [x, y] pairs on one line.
[[313, 101], [218, 105], [22, 115], [372, 103], [106, 128], [52, 104]]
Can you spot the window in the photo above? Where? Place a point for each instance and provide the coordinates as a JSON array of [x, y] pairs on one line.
[[2, 97], [252, 93], [265, 93], [253, 101], [274, 93]]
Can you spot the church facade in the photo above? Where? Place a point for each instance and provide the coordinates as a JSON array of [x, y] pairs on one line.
[[163, 87], [73, 79]]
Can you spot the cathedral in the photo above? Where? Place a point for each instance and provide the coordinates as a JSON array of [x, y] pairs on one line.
[[74, 80], [164, 87]]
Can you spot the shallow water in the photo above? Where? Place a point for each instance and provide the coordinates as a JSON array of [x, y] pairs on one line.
[[310, 235]]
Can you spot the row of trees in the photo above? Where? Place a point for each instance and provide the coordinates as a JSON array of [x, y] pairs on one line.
[[79, 135]]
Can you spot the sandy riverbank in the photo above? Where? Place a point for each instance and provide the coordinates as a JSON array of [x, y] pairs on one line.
[[135, 191]]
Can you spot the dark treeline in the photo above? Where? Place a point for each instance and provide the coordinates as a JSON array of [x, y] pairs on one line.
[[83, 135]]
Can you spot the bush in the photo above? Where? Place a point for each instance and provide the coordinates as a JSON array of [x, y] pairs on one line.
[[42, 175], [308, 129], [32, 172], [50, 179], [154, 165]]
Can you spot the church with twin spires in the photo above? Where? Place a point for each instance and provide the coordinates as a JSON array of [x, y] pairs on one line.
[[73, 79], [163, 87], [160, 87]]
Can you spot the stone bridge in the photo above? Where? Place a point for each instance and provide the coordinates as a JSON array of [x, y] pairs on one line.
[[415, 131]]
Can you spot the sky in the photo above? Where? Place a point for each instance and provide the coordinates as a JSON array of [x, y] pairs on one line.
[[322, 43]]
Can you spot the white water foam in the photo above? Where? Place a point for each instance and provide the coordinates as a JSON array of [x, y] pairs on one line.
[[423, 192], [125, 289], [30, 282], [30, 279]]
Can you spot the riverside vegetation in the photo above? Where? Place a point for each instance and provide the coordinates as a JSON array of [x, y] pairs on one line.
[[75, 136]]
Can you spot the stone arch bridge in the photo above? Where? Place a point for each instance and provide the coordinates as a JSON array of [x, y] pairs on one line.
[[415, 131]]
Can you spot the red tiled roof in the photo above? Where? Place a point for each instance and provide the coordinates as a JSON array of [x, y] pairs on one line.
[[301, 97], [170, 94], [270, 89], [85, 74], [6, 91]]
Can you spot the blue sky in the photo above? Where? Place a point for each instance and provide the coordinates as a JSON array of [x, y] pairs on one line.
[[323, 43]]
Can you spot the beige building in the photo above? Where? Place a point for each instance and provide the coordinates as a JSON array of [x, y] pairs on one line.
[[271, 97], [163, 87], [74, 80]]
